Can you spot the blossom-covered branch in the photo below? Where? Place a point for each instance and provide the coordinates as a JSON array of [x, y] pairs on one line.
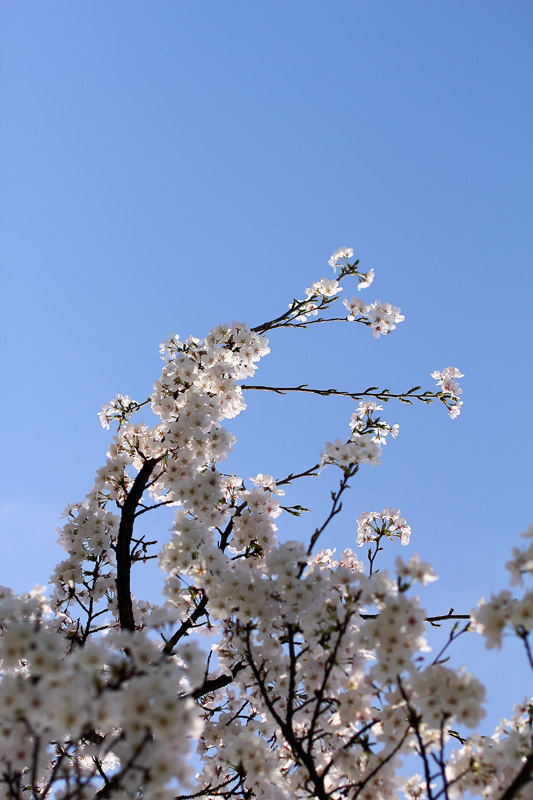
[[292, 672]]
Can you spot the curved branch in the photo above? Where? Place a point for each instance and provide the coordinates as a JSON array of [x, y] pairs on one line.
[[125, 532]]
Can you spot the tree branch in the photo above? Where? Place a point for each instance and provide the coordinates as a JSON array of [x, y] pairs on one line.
[[186, 626], [125, 532], [523, 777], [383, 395], [212, 684]]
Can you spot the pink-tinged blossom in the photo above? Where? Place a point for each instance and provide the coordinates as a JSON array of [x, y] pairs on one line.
[[267, 482], [305, 310], [415, 569], [383, 318], [450, 389], [455, 410], [446, 380], [355, 307], [443, 695], [360, 449], [372, 525], [323, 288]]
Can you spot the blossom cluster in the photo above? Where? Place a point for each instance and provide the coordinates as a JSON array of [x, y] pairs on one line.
[[450, 390], [341, 259], [364, 419], [118, 687], [373, 525], [382, 318], [369, 432], [359, 449], [504, 612], [296, 672], [487, 766]]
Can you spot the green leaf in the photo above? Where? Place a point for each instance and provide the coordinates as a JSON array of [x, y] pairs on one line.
[[296, 511]]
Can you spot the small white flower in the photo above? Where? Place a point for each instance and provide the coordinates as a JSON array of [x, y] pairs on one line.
[[354, 306], [365, 281], [323, 288], [342, 252]]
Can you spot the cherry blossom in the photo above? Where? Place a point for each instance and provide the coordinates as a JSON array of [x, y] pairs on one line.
[[270, 668], [342, 255]]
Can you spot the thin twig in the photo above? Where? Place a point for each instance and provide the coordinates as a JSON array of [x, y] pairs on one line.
[[384, 395]]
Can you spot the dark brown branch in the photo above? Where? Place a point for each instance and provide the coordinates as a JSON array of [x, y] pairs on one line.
[[320, 693], [212, 684], [308, 473], [454, 634], [185, 627], [113, 783], [361, 785], [528, 650], [336, 508], [523, 777], [209, 789], [440, 618], [317, 320], [144, 509], [296, 308], [415, 723], [296, 745], [125, 532]]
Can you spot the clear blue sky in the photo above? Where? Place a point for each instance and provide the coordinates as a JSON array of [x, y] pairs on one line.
[[171, 165]]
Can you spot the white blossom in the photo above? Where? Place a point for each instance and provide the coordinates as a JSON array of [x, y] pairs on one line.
[[340, 255], [290, 670]]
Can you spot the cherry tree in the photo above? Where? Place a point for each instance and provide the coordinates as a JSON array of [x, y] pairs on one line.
[[271, 669]]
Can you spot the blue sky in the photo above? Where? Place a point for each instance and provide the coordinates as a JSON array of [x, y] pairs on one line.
[[170, 165]]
